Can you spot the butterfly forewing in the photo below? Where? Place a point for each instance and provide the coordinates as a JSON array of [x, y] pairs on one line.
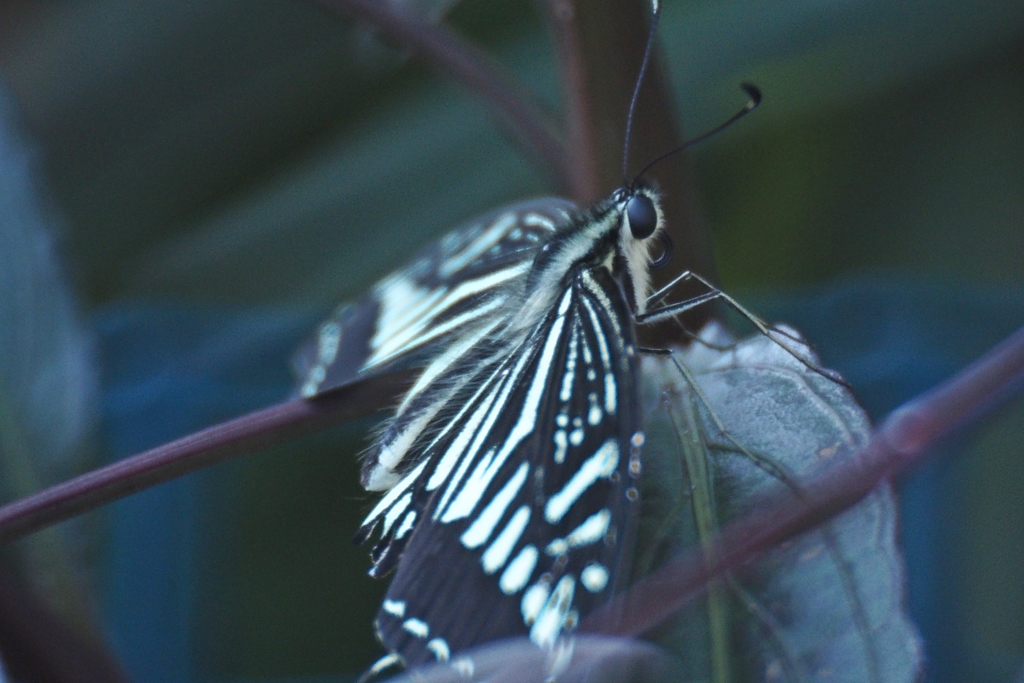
[[448, 286], [520, 510], [508, 471]]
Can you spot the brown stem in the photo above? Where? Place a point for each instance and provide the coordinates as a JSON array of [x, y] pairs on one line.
[[904, 439], [581, 133], [518, 111], [242, 435]]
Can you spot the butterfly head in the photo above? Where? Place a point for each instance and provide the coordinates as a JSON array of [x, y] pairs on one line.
[[641, 212], [640, 223], [616, 235]]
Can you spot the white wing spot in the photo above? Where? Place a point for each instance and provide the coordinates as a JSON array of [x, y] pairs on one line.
[[496, 555], [481, 529], [557, 547], [416, 627], [536, 220], [327, 344], [552, 616], [594, 414], [439, 646], [488, 238], [395, 608], [609, 393], [588, 357], [534, 599], [407, 523], [401, 302], [395, 512], [394, 494], [316, 376], [385, 662], [591, 530], [464, 667], [594, 577], [561, 444], [600, 464], [570, 366], [391, 452], [518, 571]]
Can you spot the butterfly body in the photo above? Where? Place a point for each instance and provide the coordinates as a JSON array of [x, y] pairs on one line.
[[510, 468]]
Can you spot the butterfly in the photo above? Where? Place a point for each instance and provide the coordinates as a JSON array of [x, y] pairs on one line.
[[510, 470], [511, 465]]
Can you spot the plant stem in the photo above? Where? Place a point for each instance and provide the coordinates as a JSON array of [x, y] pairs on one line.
[[517, 110], [240, 436]]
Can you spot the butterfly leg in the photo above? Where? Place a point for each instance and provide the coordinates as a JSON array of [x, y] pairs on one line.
[[778, 335], [654, 352], [713, 293]]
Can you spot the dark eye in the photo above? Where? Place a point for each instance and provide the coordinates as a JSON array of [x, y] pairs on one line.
[[643, 219]]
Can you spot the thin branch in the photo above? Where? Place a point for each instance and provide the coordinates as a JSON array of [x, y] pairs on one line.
[[581, 134], [242, 435], [905, 438], [520, 113]]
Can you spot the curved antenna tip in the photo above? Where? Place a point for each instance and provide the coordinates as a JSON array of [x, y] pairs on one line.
[[753, 92]]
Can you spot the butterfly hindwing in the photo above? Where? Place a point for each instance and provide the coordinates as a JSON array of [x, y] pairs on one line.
[[515, 519], [406, 316]]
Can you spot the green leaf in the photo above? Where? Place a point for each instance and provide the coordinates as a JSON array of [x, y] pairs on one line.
[[729, 423]]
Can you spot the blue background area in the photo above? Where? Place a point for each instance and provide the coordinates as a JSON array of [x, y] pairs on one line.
[[170, 371]]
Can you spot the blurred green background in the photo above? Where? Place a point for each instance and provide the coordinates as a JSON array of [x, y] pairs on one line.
[[218, 174]]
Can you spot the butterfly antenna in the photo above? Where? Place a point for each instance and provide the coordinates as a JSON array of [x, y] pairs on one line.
[[753, 92], [655, 13]]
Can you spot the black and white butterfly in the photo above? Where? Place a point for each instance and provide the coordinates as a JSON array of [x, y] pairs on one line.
[[510, 469]]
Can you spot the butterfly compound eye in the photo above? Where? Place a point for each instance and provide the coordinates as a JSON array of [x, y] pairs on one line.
[[643, 218]]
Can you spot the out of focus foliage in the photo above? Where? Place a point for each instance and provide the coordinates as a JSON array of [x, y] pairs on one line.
[[228, 170]]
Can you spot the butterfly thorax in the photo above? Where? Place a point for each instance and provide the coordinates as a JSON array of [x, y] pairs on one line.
[[599, 237]]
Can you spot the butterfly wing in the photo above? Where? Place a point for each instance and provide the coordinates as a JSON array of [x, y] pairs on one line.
[[516, 519], [407, 316]]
